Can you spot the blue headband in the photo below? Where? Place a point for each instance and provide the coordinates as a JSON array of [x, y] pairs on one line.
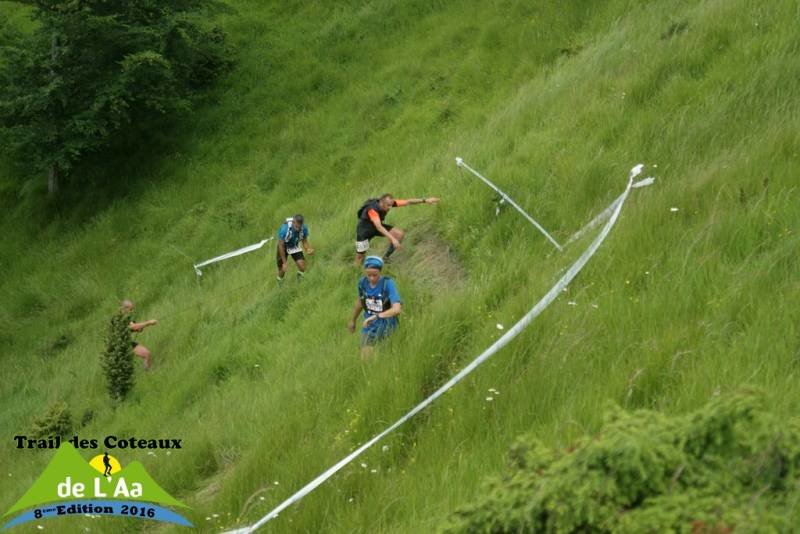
[[373, 262]]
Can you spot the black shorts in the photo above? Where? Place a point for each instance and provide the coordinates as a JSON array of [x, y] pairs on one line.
[[296, 256], [365, 231]]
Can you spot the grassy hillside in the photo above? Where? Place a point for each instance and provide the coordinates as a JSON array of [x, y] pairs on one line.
[[331, 104]]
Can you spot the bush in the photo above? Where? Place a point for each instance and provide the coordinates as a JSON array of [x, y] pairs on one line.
[[56, 421], [87, 417], [118, 358], [728, 466]]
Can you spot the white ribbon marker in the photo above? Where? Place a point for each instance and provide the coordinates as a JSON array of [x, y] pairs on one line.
[[237, 252], [603, 215], [540, 306], [460, 162]]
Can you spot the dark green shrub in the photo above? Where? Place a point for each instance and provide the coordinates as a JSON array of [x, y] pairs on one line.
[[728, 466], [87, 417], [56, 421], [118, 358]]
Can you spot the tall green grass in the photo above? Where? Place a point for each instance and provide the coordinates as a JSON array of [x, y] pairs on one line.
[[331, 104]]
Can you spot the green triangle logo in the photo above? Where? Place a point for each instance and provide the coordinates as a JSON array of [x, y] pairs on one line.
[[69, 477]]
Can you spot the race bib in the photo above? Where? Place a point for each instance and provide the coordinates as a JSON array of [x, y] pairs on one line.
[[374, 304], [294, 250], [362, 246]]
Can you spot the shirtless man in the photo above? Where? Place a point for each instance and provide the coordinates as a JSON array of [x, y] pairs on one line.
[[138, 349]]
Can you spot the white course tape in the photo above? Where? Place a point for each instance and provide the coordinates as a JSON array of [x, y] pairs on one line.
[[237, 252], [460, 162], [485, 355], [594, 222], [603, 215]]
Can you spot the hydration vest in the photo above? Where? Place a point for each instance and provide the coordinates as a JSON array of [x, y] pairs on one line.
[[362, 211], [374, 304], [290, 231]]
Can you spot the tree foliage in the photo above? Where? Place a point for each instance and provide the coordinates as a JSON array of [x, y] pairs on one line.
[[730, 466], [118, 357], [93, 69]]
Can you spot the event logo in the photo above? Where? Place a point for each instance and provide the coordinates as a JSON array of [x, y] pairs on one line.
[[72, 486]]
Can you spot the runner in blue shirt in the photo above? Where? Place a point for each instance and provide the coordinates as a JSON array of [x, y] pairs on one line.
[[378, 297], [292, 240]]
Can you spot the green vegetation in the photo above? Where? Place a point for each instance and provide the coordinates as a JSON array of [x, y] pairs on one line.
[[332, 103], [93, 74], [117, 362], [56, 421], [731, 466]]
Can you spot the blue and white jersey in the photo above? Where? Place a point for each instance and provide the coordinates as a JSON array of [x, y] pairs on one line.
[[377, 299], [292, 237]]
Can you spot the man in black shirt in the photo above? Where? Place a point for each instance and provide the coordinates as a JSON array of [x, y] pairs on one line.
[[370, 223]]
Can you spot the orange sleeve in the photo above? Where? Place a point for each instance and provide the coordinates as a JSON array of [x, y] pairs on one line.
[[400, 203], [374, 217]]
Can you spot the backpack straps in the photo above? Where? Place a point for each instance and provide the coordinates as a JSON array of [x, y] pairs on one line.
[[362, 293], [364, 206], [386, 303], [291, 232]]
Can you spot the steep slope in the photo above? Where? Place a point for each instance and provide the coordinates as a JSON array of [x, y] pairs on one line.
[[332, 104]]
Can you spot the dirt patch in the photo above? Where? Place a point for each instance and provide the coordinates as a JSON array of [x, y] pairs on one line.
[[207, 493], [429, 261]]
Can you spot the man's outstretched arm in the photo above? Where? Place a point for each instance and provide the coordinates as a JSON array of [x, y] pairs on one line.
[[138, 327], [411, 201]]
